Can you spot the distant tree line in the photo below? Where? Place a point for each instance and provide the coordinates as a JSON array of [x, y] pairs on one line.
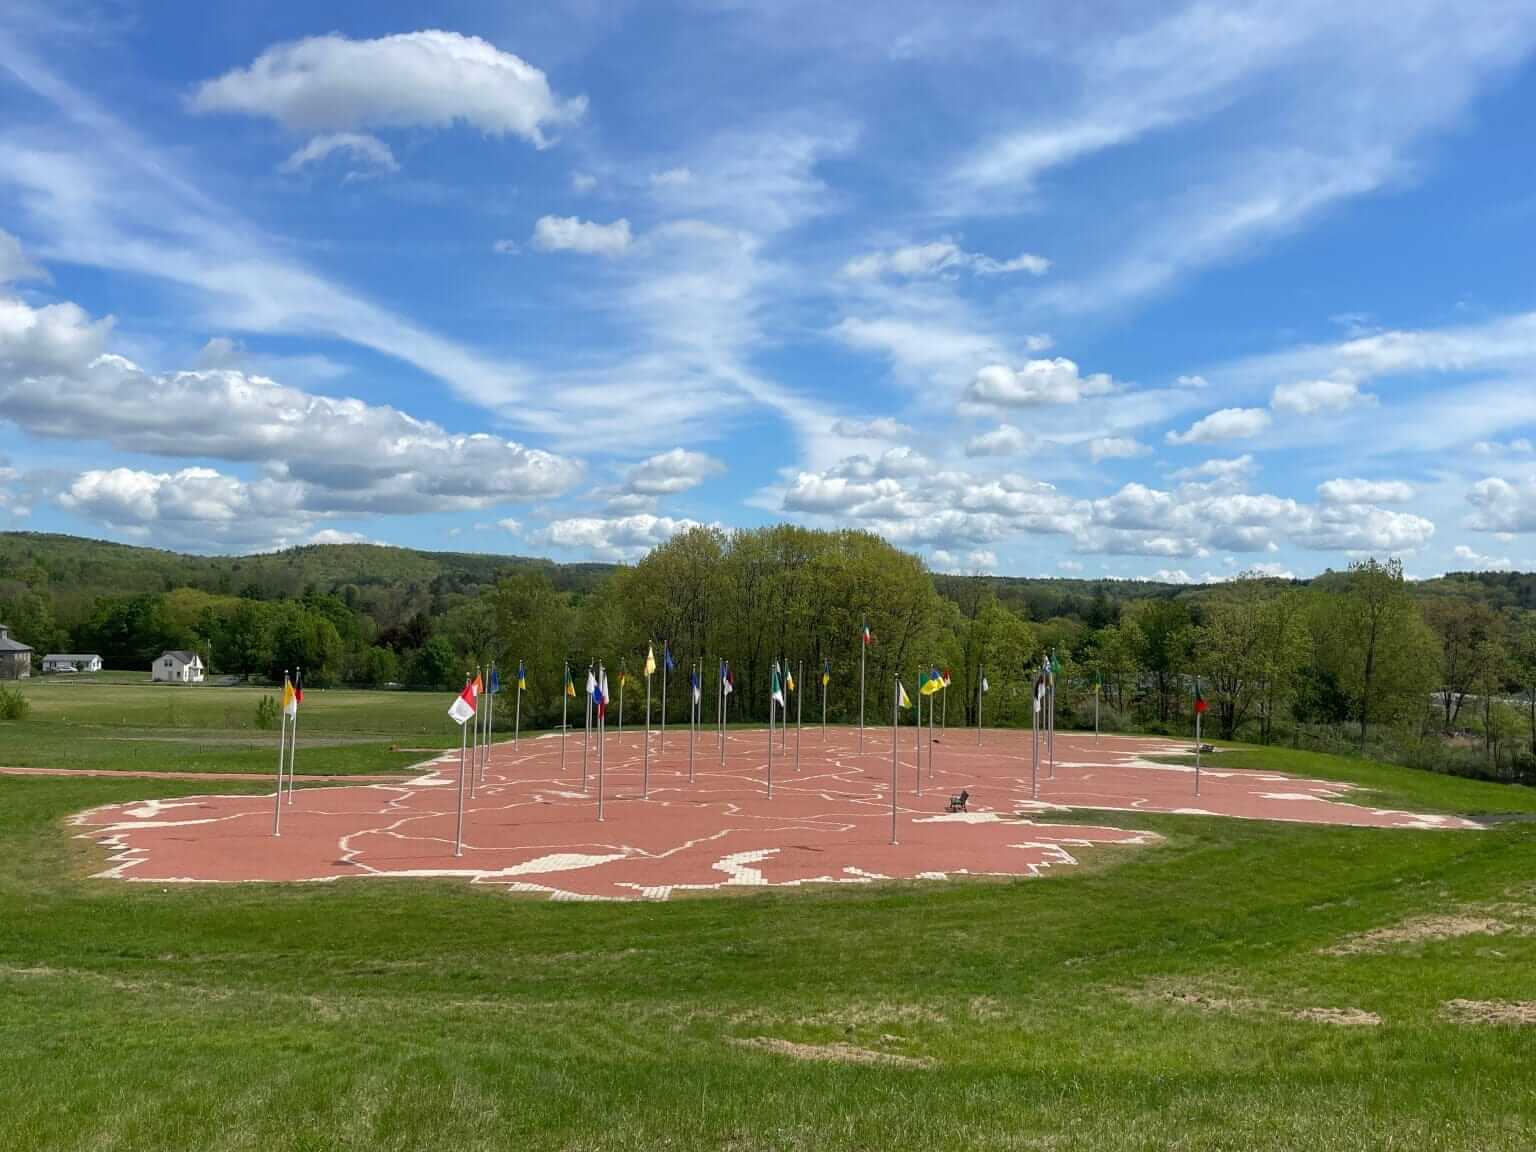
[[1441, 674]]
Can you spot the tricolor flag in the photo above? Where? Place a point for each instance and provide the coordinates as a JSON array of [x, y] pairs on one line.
[[727, 680], [865, 634], [946, 677], [1200, 704], [570, 687], [902, 698], [666, 656], [650, 660], [290, 701], [599, 695], [826, 673], [789, 678], [693, 679], [298, 687], [463, 707], [776, 689]]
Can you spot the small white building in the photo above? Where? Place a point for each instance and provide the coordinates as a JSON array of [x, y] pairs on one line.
[[177, 667], [71, 662]]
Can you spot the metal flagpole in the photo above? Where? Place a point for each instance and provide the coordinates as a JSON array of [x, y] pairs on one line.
[[784, 713], [863, 651], [981, 678], [930, 745], [799, 708], [490, 722], [293, 734], [944, 722], [1098, 690], [895, 730], [770, 738], [645, 771], [565, 701], [474, 747], [282, 743], [622, 677], [1036, 691], [1197, 741], [517, 715], [1050, 720], [695, 706], [458, 836], [602, 723], [666, 658], [917, 732], [586, 738], [725, 707], [826, 675]]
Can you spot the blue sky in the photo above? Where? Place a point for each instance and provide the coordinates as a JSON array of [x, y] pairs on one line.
[[1146, 290]]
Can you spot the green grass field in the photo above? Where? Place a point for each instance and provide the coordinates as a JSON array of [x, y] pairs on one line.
[[1147, 1000]]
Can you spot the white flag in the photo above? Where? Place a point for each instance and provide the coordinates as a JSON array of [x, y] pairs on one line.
[[984, 687], [591, 682]]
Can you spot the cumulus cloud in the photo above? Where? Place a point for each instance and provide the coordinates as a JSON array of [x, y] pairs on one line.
[[1222, 469], [14, 264], [572, 234], [359, 148], [1304, 397], [1477, 560], [670, 472], [1004, 440], [1503, 506], [1344, 491], [196, 508], [1115, 448], [613, 538], [1227, 424], [429, 79], [977, 561], [1038, 382], [338, 536], [1366, 528], [880, 428], [940, 257], [349, 455]]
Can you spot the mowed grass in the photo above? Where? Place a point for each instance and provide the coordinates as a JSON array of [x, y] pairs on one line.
[[1143, 1002], [83, 722]]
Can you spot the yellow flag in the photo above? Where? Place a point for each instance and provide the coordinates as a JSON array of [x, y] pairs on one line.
[[290, 701], [901, 695], [650, 659]]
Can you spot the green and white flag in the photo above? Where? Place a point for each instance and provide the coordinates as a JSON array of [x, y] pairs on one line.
[[776, 687]]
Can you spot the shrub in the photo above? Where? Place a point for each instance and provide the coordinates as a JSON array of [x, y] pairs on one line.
[[13, 704], [266, 712]]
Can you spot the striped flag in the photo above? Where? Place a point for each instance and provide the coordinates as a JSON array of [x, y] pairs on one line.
[[775, 688], [902, 698], [463, 707], [826, 674], [570, 686]]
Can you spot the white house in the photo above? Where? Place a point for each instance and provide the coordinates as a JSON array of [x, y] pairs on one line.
[[71, 662], [177, 667]]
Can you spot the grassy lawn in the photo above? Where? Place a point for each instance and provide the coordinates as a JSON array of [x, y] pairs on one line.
[[1144, 1003], [83, 722]]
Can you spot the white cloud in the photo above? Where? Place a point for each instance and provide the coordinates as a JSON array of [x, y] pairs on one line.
[[337, 536], [508, 524], [360, 148], [671, 472], [1004, 440], [977, 561], [1227, 469], [1478, 561], [1227, 424], [1366, 528], [571, 234], [880, 428], [613, 538], [671, 178], [582, 182], [1115, 448], [430, 79], [1349, 491], [1192, 382], [1038, 382], [1305, 397], [196, 508], [1502, 505], [348, 454], [937, 258], [14, 264]]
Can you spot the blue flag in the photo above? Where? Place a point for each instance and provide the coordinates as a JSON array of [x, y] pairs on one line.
[[495, 679], [666, 656]]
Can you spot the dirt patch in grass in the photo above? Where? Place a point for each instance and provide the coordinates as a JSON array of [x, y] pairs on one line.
[[1490, 1011], [1343, 1017], [834, 1053], [1422, 930]]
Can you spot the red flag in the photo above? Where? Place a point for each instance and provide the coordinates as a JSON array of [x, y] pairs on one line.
[[1200, 704]]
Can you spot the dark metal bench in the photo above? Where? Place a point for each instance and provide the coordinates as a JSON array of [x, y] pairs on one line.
[[958, 801]]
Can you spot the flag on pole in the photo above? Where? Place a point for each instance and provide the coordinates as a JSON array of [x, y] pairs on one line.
[[789, 677], [901, 695], [728, 678], [826, 673], [946, 677], [570, 686], [463, 707], [476, 686], [650, 660], [1098, 681], [775, 688], [298, 687], [1039, 691], [591, 682], [600, 696], [666, 656], [1200, 704], [865, 634], [930, 682], [522, 678], [290, 701], [985, 688], [693, 680]]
